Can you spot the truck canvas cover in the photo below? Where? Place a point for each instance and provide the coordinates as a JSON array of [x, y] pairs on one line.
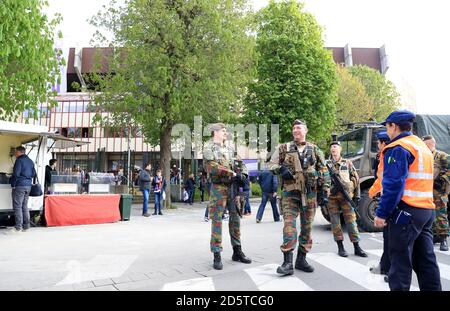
[[436, 125]]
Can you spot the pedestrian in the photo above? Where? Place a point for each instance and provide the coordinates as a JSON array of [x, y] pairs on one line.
[[50, 170], [301, 165], [145, 178], [158, 189], [337, 202], [202, 185], [246, 196], [269, 187], [190, 188], [21, 180], [219, 165], [406, 205], [374, 193], [441, 190]]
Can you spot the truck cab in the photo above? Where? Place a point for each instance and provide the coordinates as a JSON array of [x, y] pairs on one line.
[[359, 144]]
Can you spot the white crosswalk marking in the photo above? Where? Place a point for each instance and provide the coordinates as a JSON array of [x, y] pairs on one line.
[[444, 269], [437, 250], [266, 278], [198, 284], [100, 267], [376, 240], [351, 270]]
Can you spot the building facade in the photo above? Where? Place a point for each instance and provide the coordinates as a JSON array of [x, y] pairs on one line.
[[108, 148]]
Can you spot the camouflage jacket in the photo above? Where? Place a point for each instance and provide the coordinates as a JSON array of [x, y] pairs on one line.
[[349, 176], [315, 173], [221, 164], [441, 172]]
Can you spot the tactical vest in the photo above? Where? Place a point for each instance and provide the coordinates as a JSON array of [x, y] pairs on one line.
[[344, 173], [302, 166]]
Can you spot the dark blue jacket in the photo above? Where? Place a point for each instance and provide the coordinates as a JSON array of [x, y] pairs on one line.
[[190, 184], [23, 172], [396, 166], [246, 184], [268, 181]]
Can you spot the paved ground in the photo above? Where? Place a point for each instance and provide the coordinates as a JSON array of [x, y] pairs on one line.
[[171, 252]]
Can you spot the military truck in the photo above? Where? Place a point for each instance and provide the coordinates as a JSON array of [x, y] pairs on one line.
[[359, 144]]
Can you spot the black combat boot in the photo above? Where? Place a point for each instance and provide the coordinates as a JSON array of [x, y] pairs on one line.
[[358, 250], [238, 255], [444, 245], [301, 263], [217, 261], [341, 249], [286, 268]]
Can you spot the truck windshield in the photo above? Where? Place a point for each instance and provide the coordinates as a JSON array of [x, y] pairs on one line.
[[352, 143]]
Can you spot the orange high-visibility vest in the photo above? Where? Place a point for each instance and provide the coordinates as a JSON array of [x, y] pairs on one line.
[[376, 188], [419, 182]]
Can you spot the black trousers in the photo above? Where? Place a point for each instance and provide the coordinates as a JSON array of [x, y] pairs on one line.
[[411, 248]]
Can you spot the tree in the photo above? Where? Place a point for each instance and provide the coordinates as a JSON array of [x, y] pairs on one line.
[[29, 63], [173, 60], [353, 104], [382, 91], [295, 76]]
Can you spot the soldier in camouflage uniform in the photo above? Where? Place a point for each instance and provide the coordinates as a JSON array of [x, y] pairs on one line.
[[337, 202], [301, 165], [441, 189], [219, 166]]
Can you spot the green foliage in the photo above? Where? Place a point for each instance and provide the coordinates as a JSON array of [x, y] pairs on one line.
[[295, 76], [353, 104], [255, 190], [29, 63], [380, 90], [174, 60]]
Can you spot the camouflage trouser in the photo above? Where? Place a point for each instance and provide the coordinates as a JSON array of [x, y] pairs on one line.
[[335, 205], [291, 207], [217, 206], [440, 224]]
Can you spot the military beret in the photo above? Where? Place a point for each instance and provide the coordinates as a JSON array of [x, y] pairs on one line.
[[400, 117], [216, 126], [335, 143], [427, 137], [299, 122], [383, 136]]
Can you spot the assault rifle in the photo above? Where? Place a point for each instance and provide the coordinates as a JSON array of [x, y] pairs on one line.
[[339, 186]]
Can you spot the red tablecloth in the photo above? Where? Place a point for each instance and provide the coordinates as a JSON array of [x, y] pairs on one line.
[[66, 210]]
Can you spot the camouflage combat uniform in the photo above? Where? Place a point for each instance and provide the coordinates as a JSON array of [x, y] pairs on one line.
[[440, 192], [299, 196], [336, 201], [219, 160]]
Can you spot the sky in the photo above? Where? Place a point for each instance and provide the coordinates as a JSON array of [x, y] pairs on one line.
[[413, 31]]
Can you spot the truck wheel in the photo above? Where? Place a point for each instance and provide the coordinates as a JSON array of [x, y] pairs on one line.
[[366, 210]]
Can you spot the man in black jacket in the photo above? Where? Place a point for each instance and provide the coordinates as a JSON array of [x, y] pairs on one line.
[[23, 173], [50, 169]]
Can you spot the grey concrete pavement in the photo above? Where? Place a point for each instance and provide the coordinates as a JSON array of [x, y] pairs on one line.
[[172, 252]]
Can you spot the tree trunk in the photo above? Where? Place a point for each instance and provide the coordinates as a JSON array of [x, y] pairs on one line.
[[165, 158]]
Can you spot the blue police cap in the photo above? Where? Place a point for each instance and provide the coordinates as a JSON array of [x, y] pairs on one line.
[[400, 117], [383, 136]]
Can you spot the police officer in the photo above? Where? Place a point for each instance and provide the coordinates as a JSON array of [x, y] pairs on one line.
[[219, 166], [406, 205], [375, 192], [301, 165], [337, 202], [440, 192]]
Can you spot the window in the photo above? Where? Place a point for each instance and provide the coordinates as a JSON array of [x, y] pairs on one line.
[[72, 132], [353, 143], [87, 132], [374, 142]]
